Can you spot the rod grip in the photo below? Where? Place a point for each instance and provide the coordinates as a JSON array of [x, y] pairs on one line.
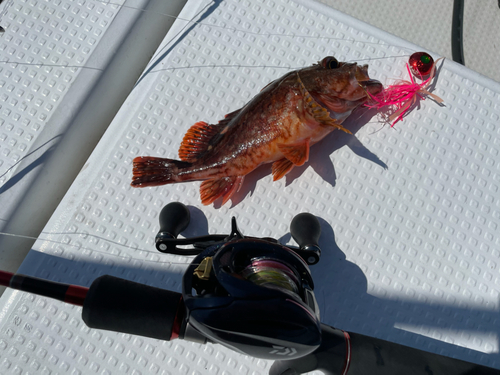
[[347, 353], [125, 306], [379, 357]]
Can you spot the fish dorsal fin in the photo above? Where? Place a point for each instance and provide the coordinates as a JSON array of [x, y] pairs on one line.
[[297, 153], [229, 117], [319, 113], [201, 135], [277, 81], [196, 141]]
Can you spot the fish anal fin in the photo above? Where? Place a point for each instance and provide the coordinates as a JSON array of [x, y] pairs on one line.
[[319, 113], [223, 187], [297, 153], [196, 141], [280, 168]]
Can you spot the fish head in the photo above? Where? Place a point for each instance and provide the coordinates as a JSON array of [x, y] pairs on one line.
[[339, 87]]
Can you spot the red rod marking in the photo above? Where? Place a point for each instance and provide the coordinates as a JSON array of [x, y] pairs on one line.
[[5, 278], [179, 316], [76, 295], [347, 354]]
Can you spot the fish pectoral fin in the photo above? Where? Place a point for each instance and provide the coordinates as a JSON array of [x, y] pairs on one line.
[[336, 124], [280, 168], [297, 153], [196, 141], [319, 113], [223, 187]]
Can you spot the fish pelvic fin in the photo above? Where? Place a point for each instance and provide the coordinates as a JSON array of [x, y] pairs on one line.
[[224, 187], [319, 113], [197, 141], [280, 168], [297, 153], [151, 171]]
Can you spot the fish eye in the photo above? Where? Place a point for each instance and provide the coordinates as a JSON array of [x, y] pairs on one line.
[[330, 63]]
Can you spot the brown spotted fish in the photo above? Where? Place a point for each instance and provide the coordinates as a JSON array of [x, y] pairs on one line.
[[277, 126]]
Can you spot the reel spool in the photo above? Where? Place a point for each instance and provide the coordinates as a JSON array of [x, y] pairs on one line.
[[236, 292], [271, 274]]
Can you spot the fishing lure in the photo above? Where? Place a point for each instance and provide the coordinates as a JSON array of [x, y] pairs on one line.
[[400, 97]]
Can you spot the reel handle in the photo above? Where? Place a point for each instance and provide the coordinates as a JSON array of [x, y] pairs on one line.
[[306, 230], [174, 218]]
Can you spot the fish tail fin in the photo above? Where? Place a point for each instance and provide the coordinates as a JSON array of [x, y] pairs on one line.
[[224, 187], [151, 171]]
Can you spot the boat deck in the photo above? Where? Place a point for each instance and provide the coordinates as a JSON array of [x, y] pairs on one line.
[[409, 214]]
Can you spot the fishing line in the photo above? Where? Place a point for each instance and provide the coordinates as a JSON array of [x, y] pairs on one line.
[[237, 66], [29, 154], [268, 34], [293, 35], [94, 250], [50, 65], [261, 66], [233, 29], [210, 66]]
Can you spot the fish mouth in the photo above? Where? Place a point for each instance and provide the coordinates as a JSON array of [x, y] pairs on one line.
[[370, 85]]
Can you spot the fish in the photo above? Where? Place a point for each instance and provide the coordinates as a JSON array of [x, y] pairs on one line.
[[278, 126]]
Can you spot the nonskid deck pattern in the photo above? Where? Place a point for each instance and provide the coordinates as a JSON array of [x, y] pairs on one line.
[[409, 214]]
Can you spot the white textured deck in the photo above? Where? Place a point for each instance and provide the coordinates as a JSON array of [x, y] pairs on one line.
[[65, 69], [54, 34], [409, 214]]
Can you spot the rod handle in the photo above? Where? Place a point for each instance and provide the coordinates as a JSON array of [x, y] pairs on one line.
[[120, 305]]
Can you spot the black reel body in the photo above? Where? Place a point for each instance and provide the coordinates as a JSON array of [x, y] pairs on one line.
[[240, 301], [237, 288]]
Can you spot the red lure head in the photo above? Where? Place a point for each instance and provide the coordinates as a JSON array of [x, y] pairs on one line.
[[421, 63]]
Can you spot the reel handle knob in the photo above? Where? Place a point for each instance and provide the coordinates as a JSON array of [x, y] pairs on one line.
[[174, 218], [306, 230]]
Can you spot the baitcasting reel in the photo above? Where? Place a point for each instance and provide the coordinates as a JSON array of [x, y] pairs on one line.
[[252, 295], [236, 289], [234, 292]]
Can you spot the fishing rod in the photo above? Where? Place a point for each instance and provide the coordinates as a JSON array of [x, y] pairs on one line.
[[235, 292]]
